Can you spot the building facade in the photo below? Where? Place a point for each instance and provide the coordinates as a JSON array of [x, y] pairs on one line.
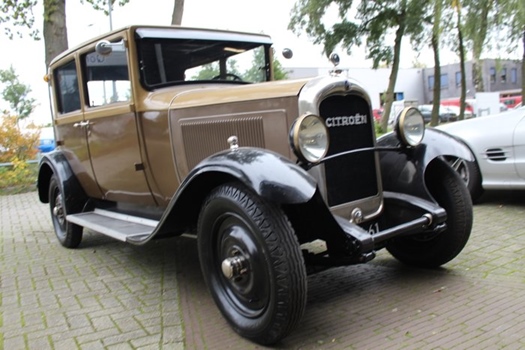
[[375, 81], [503, 76], [416, 85]]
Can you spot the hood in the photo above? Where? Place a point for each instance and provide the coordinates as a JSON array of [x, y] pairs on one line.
[[191, 95]]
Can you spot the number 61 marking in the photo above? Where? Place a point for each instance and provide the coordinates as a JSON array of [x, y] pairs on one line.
[[373, 229]]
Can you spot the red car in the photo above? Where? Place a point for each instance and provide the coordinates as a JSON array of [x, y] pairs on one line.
[[378, 112]]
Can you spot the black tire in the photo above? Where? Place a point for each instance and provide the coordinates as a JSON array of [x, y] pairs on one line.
[[471, 175], [266, 296], [68, 234], [436, 249]]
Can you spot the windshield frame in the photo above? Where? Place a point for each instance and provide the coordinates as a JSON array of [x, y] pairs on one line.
[[158, 48]]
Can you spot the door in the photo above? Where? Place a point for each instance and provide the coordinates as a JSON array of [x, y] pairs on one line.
[[112, 129], [68, 117]]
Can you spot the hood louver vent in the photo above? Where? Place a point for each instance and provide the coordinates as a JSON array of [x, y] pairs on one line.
[[249, 130], [496, 154]]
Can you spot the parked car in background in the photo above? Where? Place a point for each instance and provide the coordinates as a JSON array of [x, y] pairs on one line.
[[47, 140], [498, 145], [469, 105], [378, 113], [454, 111], [426, 111], [160, 134], [511, 101], [446, 113]]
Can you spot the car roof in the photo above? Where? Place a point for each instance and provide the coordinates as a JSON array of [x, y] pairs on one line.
[[174, 32]]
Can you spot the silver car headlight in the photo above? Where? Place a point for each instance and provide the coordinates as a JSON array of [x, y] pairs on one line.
[[410, 127], [309, 138]]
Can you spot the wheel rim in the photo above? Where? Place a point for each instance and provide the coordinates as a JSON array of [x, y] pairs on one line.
[[240, 266], [461, 168], [58, 210]]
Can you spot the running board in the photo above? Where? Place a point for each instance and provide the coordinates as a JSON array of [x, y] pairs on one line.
[[119, 226]]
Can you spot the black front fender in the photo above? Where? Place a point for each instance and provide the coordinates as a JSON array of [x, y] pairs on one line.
[[268, 174], [403, 169]]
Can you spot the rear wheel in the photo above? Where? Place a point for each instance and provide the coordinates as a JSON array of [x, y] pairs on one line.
[[436, 249], [252, 263], [68, 234]]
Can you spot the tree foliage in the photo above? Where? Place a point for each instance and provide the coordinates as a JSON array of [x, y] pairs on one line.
[[373, 23], [16, 93], [480, 17], [257, 68], [103, 5], [18, 14], [17, 17], [513, 17], [15, 143], [252, 74]]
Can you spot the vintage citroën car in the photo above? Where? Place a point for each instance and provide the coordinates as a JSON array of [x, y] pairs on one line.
[[162, 131]]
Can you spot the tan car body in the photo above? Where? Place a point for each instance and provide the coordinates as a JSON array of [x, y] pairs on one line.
[[137, 133]]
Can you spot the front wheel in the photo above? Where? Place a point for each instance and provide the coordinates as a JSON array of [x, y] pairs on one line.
[[436, 249], [68, 234], [252, 263], [470, 173]]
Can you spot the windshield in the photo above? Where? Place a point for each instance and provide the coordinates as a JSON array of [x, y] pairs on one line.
[[166, 61]]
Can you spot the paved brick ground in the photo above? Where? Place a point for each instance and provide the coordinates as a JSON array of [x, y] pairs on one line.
[[103, 295], [110, 295], [477, 301]]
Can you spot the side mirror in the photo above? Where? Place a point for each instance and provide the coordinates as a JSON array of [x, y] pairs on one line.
[[104, 47], [287, 53]]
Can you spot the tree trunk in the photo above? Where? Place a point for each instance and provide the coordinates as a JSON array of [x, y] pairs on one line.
[[477, 74], [463, 70], [436, 29], [479, 34], [178, 9], [389, 95], [55, 30]]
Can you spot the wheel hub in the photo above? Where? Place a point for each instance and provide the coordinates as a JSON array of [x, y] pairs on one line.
[[234, 267], [58, 210]]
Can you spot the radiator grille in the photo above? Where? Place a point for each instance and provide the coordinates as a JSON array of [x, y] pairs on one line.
[[350, 124], [249, 130]]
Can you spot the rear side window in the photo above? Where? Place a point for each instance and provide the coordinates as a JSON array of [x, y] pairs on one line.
[[66, 85]]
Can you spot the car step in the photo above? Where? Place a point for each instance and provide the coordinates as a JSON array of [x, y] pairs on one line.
[[119, 226]]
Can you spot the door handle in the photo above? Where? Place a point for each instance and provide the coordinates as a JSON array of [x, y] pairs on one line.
[[82, 124]]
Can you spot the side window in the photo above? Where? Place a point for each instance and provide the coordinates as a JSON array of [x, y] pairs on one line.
[[107, 78], [66, 87]]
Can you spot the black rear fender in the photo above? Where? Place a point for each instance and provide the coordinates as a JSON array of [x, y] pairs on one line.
[[55, 163]]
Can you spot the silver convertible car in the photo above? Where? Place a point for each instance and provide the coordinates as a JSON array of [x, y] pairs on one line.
[[498, 145]]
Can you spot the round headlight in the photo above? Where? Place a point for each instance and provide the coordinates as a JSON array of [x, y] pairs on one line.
[[410, 126], [309, 138]]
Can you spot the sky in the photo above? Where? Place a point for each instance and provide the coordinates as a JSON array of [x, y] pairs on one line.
[[269, 17]]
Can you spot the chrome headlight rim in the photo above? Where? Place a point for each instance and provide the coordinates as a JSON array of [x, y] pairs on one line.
[[405, 126], [295, 138]]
